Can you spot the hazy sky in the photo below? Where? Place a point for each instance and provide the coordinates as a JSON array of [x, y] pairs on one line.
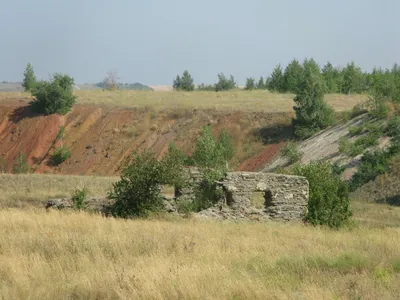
[[150, 41]]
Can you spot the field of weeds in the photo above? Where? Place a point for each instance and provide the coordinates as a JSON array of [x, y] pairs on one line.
[[32, 190], [257, 100], [74, 255]]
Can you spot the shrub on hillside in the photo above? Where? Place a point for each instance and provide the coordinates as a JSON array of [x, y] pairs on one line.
[[55, 96], [250, 84], [60, 155], [206, 87], [372, 164], [225, 84], [393, 127], [21, 165], [29, 81], [3, 165], [328, 202], [291, 152], [79, 198], [137, 193]]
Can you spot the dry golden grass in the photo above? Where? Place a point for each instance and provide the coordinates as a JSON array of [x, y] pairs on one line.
[[27, 190], [72, 255], [237, 99], [58, 255]]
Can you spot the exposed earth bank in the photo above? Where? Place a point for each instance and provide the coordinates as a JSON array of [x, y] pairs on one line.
[[101, 137]]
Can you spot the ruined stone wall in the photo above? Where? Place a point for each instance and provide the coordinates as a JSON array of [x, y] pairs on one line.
[[286, 196]]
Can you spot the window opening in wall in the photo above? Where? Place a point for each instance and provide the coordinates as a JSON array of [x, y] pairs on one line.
[[261, 199], [268, 198], [229, 198], [257, 199]]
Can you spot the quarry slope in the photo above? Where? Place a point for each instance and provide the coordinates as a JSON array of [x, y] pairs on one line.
[[324, 146], [101, 137]]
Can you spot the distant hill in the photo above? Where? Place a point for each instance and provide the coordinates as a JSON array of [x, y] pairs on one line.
[[17, 87], [11, 87], [128, 86]]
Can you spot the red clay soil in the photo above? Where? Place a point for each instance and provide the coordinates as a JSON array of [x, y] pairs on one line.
[[101, 138], [256, 162]]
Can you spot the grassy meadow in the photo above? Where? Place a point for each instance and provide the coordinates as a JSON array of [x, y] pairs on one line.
[[258, 100], [60, 255], [32, 190], [75, 255]]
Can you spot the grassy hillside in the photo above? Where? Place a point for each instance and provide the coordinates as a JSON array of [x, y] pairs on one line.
[[78, 256], [258, 100]]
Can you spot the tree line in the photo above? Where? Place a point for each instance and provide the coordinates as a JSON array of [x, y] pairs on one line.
[[348, 80]]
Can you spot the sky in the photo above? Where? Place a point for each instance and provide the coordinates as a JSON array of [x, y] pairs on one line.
[[151, 41]]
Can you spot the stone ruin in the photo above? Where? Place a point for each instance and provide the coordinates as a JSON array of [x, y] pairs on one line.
[[253, 195], [247, 196]]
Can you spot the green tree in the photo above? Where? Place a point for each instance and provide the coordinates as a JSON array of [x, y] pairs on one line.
[[293, 76], [225, 84], [332, 78], [328, 202], [352, 79], [211, 156], [250, 84], [173, 166], [261, 84], [29, 81], [312, 112], [184, 83], [55, 96], [276, 82], [21, 165]]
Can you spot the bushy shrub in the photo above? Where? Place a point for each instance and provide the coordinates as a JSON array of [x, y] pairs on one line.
[[60, 155], [250, 84], [79, 198], [349, 148], [393, 126], [55, 96], [137, 193], [3, 165], [372, 164], [225, 84], [21, 165], [355, 130], [291, 152], [328, 202], [206, 87]]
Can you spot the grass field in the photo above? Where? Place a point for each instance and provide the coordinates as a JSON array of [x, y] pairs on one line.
[[73, 255], [237, 99], [32, 190], [59, 255]]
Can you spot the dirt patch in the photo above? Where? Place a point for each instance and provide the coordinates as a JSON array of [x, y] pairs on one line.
[[101, 138]]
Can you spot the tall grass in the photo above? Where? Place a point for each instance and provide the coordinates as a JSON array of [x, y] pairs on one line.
[[257, 100], [59, 255], [32, 190]]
